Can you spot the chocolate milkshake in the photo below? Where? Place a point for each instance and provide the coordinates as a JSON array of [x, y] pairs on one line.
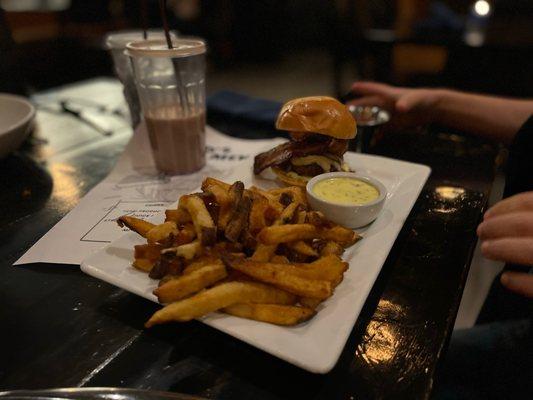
[[178, 142], [170, 82]]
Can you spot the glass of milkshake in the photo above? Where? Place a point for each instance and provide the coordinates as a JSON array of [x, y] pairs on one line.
[[171, 88]]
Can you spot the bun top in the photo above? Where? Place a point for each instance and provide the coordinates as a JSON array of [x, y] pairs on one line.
[[317, 114]]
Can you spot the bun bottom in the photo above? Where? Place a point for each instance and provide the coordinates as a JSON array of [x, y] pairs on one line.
[[290, 180]]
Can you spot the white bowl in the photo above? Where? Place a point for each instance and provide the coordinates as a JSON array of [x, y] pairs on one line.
[[16, 117], [349, 215]]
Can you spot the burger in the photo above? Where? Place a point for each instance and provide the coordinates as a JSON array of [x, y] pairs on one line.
[[319, 128]]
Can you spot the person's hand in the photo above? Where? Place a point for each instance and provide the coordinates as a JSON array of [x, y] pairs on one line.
[[506, 234], [408, 107]]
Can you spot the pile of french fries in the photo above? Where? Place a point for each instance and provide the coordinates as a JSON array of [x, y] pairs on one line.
[[252, 253]]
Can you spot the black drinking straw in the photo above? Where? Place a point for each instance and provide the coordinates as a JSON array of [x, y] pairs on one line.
[[163, 12], [183, 98], [144, 18]]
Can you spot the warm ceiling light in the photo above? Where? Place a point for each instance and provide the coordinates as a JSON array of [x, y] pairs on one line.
[[482, 8]]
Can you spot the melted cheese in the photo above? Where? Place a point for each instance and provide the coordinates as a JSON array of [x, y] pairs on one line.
[[294, 175], [324, 162]]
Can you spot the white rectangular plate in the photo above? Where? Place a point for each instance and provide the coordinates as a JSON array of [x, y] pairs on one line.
[[317, 344]]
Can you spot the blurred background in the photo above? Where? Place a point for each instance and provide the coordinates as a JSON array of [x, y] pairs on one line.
[[278, 49]]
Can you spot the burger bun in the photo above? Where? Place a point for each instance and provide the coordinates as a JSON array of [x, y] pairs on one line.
[[317, 114], [290, 180]]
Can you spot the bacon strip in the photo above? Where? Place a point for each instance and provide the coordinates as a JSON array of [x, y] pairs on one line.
[[285, 151]]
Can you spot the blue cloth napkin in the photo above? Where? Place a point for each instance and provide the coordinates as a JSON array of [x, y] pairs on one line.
[[242, 107]]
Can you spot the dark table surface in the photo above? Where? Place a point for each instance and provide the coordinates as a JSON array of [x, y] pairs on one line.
[[62, 328]]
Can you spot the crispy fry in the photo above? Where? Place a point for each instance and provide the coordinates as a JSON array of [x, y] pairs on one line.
[[309, 302], [167, 264], [143, 264], [203, 223], [150, 251], [281, 276], [331, 231], [258, 214], [200, 262], [161, 232], [295, 193], [272, 199], [135, 224], [271, 313], [180, 216], [234, 195], [287, 215], [303, 248], [214, 182], [287, 233], [317, 218], [300, 219], [236, 191], [344, 236], [185, 285], [330, 268], [187, 251], [293, 232], [331, 247], [218, 297], [228, 247], [224, 201], [264, 252], [239, 219], [277, 259], [185, 235]]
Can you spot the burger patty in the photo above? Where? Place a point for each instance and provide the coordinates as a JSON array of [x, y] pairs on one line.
[[308, 170], [285, 151]]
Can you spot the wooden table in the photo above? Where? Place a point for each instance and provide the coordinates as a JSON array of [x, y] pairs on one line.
[[63, 328]]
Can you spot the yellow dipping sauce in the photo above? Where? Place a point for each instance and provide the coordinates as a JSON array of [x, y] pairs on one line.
[[346, 191]]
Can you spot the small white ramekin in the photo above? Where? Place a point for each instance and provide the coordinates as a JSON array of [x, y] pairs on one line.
[[349, 215]]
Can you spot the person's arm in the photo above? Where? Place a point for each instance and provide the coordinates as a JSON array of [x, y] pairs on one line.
[[491, 117], [488, 116]]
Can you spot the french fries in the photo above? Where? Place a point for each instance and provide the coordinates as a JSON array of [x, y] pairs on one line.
[[291, 194], [203, 223], [272, 313], [239, 219], [264, 252], [187, 251], [179, 216], [160, 233], [144, 264], [135, 224], [287, 233], [224, 201], [294, 232], [258, 214], [303, 248], [344, 236], [252, 253], [214, 182], [281, 277], [308, 302], [331, 247], [190, 283], [218, 297]]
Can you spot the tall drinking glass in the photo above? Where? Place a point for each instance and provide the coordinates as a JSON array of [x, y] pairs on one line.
[[171, 88], [116, 43]]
